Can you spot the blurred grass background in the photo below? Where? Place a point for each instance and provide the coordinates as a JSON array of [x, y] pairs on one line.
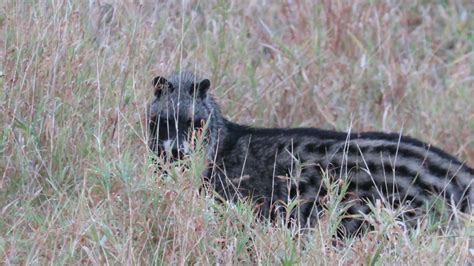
[[77, 185]]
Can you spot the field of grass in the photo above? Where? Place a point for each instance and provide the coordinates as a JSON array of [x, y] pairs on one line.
[[77, 185]]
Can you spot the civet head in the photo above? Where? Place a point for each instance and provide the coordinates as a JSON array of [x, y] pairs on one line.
[[178, 110]]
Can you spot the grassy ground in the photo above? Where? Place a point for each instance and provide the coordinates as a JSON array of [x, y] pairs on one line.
[[76, 182]]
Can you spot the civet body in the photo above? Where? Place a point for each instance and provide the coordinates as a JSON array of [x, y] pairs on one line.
[[272, 166]]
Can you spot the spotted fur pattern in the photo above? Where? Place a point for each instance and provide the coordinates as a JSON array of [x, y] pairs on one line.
[[271, 166]]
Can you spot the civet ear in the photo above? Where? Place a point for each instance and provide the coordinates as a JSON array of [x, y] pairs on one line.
[[202, 88], [160, 83]]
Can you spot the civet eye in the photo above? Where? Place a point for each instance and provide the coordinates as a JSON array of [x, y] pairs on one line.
[[165, 122], [199, 123]]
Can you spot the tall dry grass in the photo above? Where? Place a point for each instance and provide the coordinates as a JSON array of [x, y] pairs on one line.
[[77, 185]]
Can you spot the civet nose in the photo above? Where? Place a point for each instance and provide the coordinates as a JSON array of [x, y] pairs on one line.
[[175, 153]]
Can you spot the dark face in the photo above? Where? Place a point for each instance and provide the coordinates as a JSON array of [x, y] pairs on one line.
[[172, 133], [176, 113]]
